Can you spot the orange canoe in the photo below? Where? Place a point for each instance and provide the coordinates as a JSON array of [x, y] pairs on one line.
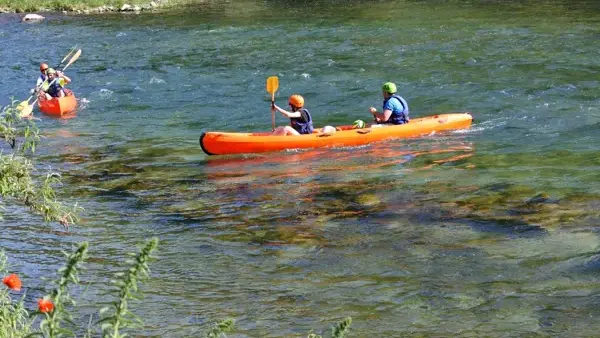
[[220, 143], [58, 106]]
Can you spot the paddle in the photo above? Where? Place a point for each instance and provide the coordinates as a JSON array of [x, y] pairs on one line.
[[70, 52], [272, 86], [25, 103], [29, 108]]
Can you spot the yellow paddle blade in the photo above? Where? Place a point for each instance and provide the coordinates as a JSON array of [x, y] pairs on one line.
[[26, 111], [22, 105], [272, 84]]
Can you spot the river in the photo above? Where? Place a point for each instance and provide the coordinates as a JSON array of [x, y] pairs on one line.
[[490, 231]]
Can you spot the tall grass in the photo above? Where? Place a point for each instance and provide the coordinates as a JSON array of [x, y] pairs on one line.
[[18, 184]]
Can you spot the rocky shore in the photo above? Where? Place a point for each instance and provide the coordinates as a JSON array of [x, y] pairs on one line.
[[151, 6]]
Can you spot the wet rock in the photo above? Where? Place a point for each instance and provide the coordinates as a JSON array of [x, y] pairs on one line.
[[368, 200], [126, 8], [32, 18], [137, 8], [539, 198], [153, 4]]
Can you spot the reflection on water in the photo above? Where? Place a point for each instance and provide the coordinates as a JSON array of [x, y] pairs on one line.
[[277, 229]]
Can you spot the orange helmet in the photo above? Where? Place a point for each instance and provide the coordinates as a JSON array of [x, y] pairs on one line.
[[43, 67], [296, 101]]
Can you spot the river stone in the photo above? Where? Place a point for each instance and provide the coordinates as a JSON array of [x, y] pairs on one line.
[[126, 8], [32, 17], [368, 200]]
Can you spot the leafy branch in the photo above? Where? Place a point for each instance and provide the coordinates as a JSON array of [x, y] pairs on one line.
[[120, 316]]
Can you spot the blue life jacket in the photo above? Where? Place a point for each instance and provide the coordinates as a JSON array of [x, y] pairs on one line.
[[302, 126], [54, 89], [398, 117]]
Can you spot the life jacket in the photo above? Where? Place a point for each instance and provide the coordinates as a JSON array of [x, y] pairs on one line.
[[398, 117], [301, 126], [54, 89]]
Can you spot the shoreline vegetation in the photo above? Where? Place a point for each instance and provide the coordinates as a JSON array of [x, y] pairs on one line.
[[84, 6]]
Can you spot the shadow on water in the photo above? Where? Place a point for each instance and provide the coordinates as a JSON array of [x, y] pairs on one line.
[[267, 198]]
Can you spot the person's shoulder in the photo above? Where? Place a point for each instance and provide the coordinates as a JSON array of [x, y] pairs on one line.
[[399, 100]]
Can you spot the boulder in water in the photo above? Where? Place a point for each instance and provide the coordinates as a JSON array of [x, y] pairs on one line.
[[32, 18]]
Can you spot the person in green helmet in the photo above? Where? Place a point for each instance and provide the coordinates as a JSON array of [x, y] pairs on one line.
[[395, 108], [55, 88]]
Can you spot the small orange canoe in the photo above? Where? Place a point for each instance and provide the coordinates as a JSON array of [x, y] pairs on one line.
[[58, 106], [220, 143]]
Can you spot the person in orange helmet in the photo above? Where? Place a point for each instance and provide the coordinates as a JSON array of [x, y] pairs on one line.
[[300, 119], [41, 81]]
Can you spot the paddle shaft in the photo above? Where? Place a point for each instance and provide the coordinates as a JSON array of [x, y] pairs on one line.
[[70, 52], [273, 111]]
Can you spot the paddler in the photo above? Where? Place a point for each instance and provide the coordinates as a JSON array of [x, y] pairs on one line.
[[300, 119], [55, 88], [395, 108], [41, 79]]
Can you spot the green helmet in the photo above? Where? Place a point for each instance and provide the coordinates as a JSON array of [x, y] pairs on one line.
[[51, 71], [389, 87]]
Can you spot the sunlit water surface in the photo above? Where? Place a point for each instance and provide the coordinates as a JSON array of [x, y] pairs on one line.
[[490, 231]]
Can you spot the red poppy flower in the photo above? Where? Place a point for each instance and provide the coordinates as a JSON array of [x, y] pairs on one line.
[[13, 282], [45, 305]]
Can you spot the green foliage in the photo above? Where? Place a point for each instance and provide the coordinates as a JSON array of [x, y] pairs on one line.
[[13, 126], [220, 328], [341, 328], [14, 321], [337, 331], [67, 5], [119, 316], [16, 181], [51, 325]]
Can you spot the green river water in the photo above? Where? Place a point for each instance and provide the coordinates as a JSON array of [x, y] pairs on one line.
[[488, 232]]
